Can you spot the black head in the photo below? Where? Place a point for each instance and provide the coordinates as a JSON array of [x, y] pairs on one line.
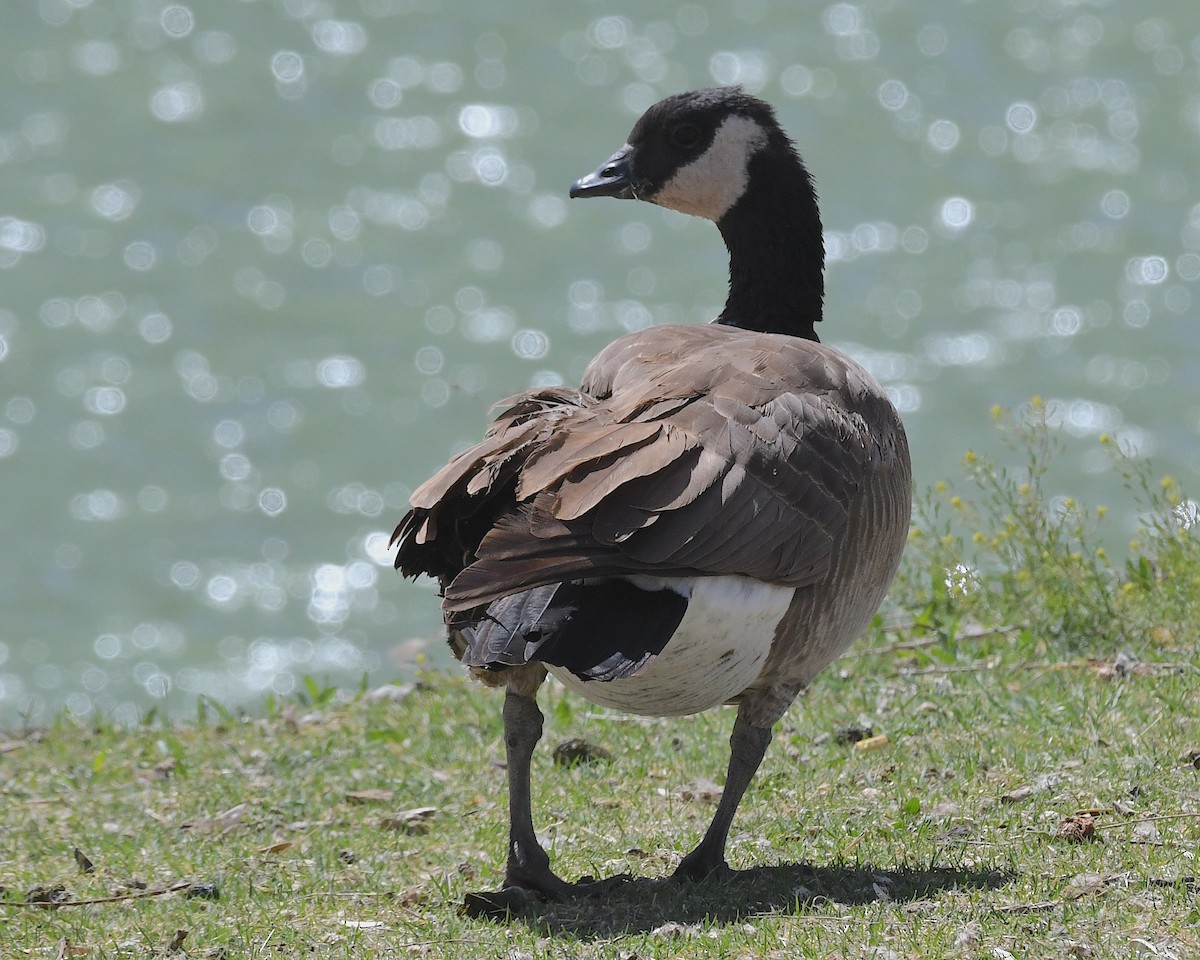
[[690, 152], [720, 153]]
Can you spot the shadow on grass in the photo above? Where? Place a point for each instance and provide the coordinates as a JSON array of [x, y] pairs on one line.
[[642, 904]]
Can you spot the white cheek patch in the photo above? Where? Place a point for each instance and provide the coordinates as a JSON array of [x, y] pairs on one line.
[[713, 182]]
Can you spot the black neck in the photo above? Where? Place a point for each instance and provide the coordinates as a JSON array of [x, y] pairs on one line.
[[776, 251]]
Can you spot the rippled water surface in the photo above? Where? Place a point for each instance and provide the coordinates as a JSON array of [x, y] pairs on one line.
[[265, 264]]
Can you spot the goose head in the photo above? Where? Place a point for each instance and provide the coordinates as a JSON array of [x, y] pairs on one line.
[[720, 153]]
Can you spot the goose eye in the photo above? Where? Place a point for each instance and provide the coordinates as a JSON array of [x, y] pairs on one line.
[[685, 135]]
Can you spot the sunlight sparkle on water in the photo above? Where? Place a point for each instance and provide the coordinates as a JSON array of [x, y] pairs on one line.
[[267, 265]]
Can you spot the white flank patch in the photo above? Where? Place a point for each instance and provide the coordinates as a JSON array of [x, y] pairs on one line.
[[713, 182], [716, 653]]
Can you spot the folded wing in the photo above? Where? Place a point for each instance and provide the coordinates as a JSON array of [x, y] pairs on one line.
[[689, 451]]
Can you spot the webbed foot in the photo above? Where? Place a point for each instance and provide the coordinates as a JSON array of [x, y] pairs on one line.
[[519, 894], [699, 865]]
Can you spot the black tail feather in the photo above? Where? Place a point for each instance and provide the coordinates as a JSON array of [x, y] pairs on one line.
[[599, 629]]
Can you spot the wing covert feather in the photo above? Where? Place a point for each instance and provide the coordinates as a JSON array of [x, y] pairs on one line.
[[689, 451]]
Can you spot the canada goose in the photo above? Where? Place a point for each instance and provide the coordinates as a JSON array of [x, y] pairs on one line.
[[711, 518]]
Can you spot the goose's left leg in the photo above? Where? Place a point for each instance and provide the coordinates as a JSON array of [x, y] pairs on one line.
[[748, 744]]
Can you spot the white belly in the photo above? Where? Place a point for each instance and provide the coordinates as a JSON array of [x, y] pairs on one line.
[[718, 650]]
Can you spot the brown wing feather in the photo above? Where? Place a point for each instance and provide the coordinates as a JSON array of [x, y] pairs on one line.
[[690, 450], [586, 486], [529, 420], [468, 495]]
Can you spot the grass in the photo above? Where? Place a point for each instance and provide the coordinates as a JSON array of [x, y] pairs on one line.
[[921, 801]]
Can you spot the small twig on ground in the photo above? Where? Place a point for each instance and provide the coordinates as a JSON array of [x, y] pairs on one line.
[[910, 626], [994, 662], [1163, 816], [981, 667], [1040, 907], [91, 901], [904, 645]]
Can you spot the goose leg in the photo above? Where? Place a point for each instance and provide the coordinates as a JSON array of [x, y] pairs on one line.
[[528, 864], [527, 873], [748, 744]]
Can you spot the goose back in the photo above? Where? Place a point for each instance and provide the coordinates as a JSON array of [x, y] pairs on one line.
[[688, 451]]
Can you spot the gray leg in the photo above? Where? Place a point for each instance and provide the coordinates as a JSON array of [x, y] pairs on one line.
[[748, 744], [528, 864], [527, 873]]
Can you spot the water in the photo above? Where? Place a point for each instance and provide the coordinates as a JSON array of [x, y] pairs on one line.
[[266, 264]]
